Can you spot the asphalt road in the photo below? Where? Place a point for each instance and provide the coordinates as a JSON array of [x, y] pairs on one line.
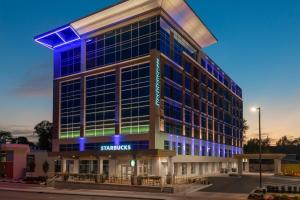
[[12, 195], [245, 184]]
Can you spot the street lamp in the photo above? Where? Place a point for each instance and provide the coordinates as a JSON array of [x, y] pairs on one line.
[[254, 109]]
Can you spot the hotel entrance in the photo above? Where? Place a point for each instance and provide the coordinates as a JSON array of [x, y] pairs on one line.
[[70, 166]]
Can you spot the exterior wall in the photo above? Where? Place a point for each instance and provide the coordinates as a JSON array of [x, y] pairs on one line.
[[19, 153], [39, 158]]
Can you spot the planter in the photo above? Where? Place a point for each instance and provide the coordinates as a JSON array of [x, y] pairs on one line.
[[139, 180], [169, 179]]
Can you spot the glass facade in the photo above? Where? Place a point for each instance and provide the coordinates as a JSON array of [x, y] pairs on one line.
[[100, 104], [70, 109], [122, 44], [70, 61], [135, 99], [196, 105]]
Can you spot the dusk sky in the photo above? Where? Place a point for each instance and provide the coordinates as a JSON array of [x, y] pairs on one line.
[[258, 46]]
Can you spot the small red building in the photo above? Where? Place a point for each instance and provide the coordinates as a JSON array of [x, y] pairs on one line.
[[13, 160]]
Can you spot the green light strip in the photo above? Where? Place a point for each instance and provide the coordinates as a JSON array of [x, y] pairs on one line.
[[157, 82]]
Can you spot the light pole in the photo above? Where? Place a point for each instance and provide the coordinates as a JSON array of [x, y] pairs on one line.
[[254, 109]]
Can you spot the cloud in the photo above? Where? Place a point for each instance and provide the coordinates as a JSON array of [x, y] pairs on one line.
[[20, 130], [36, 82]]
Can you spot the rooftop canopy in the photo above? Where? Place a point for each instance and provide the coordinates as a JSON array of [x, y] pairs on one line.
[[58, 37], [177, 10]]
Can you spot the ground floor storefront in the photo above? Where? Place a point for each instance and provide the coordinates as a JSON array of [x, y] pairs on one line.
[[150, 167]]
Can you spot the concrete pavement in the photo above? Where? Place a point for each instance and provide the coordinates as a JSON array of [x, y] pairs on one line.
[[10, 189]]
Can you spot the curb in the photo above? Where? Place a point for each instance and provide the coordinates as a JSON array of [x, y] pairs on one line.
[[121, 196]]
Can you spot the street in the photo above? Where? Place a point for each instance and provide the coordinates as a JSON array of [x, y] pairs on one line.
[[13, 195], [246, 183]]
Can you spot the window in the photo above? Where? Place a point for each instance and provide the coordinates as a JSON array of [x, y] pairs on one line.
[[196, 150], [188, 131], [188, 83], [88, 166], [70, 61], [173, 74], [30, 161], [187, 67], [70, 109], [166, 145], [57, 166], [193, 168], [100, 104], [173, 128], [188, 117], [188, 100], [145, 167], [173, 111], [135, 100], [179, 148], [184, 169], [187, 149], [173, 92]]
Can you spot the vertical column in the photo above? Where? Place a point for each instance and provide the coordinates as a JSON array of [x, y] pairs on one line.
[[156, 166], [170, 166], [64, 165], [155, 91], [56, 96], [56, 114], [100, 166], [118, 101], [82, 106], [277, 166], [240, 166], [83, 88]]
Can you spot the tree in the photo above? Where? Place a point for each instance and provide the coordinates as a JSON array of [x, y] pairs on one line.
[[4, 135], [245, 128], [44, 131], [284, 141], [46, 167], [22, 140], [252, 145]]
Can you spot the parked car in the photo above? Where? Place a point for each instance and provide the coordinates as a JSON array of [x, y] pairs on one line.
[[258, 194]]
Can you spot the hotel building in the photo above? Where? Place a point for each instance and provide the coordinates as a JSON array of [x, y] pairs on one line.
[[134, 94]]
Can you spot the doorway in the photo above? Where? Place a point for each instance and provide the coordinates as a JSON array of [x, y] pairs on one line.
[[70, 166], [126, 171]]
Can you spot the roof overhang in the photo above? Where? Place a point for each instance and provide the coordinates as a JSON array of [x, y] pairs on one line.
[[178, 10], [58, 37], [267, 156]]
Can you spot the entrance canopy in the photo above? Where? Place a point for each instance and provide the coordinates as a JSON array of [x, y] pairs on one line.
[[150, 153]]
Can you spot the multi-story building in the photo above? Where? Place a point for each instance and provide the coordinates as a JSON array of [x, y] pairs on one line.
[[134, 94]]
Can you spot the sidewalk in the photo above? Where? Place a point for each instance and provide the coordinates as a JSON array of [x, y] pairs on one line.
[[191, 194], [183, 191]]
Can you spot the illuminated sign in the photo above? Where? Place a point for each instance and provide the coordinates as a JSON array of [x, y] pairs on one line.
[[132, 163], [157, 82], [116, 147]]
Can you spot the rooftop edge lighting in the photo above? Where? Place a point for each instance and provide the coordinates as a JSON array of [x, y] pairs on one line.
[[65, 34]]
